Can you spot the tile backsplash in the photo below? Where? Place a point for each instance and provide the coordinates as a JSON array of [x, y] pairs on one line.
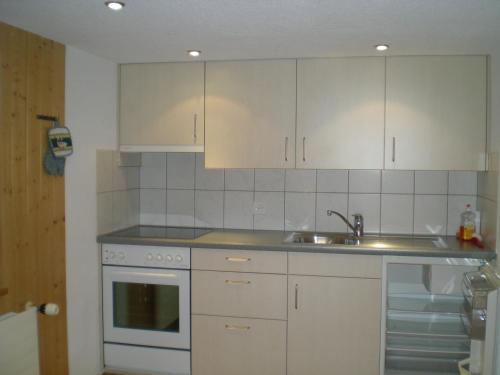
[[118, 193], [175, 189]]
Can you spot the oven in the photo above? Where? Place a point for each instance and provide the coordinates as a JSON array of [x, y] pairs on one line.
[[146, 308]]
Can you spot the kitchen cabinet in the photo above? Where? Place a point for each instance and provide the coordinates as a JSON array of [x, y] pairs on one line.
[[229, 346], [333, 325], [250, 114], [239, 312], [436, 113], [340, 113], [162, 107], [334, 314]]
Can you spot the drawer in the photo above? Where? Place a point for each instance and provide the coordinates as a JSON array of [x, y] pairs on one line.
[[342, 265], [239, 260], [229, 346], [249, 295]]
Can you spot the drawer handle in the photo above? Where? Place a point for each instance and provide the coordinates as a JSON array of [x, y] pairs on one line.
[[238, 259], [234, 327], [237, 282]]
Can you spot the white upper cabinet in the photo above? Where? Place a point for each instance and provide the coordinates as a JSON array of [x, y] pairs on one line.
[[340, 113], [250, 114], [436, 113], [162, 107]]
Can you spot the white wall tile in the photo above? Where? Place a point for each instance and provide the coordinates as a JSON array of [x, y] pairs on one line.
[[133, 207], [104, 212], [396, 213], [364, 181], [269, 210], [238, 209], [104, 167], [120, 209], [180, 170], [209, 208], [207, 179], [462, 183], [431, 182], [332, 181], [153, 173], [300, 211], [239, 179], [397, 182], [180, 208], [456, 205], [269, 180], [300, 180], [129, 159], [331, 201], [153, 207], [430, 214], [133, 174], [367, 205], [118, 174]]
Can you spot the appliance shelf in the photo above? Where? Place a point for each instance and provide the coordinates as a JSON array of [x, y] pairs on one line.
[[428, 325], [425, 303], [427, 347], [405, 365]]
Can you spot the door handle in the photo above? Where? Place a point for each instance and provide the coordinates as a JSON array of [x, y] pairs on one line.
[[235, 327], [393, 149], [195, 120], [286, 148], [303, 148], [296, 297]]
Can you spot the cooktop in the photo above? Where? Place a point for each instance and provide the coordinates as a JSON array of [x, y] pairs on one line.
[[151, 231]]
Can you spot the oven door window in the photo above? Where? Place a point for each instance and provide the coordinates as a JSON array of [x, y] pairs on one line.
[[146, 306]]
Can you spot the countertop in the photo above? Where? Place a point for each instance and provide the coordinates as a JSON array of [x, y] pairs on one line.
[[436, 246]]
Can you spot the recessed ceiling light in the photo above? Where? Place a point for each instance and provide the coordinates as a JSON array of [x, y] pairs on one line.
[[194, 53], [382, 47], [115, 5]]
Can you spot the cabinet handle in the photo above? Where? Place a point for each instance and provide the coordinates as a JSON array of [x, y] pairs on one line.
[[234, 327], [195, 119], [286, 148], [238, 259], [393, 149], [303, 148], [237, 282], [296, 296]]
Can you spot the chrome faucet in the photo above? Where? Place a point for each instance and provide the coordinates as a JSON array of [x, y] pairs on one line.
[[356, 227]]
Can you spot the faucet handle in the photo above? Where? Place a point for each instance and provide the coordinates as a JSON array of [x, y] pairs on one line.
[[357, 218]]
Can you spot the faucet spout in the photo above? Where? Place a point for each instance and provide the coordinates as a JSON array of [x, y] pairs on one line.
[[358, 226]]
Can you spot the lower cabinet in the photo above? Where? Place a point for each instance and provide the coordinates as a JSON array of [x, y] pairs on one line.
[[230, 346], [333, 325]]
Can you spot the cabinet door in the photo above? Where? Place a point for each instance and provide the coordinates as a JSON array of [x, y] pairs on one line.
[[340, 113], [436, 113], [161, 106], [333, 325], [234, 346], [250, 114]]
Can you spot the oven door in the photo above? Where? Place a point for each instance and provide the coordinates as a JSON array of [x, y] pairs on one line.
[[149, 307]]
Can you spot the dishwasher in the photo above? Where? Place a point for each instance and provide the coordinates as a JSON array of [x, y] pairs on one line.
[[436, 316]]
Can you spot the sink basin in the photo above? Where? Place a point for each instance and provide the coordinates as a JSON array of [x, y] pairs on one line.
[[371, 241], [322, 239]]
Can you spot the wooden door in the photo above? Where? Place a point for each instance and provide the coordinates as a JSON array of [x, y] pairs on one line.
[[333, 325], [340, 113], [436, 113], [250, 114], [32, 230], [161, 106]]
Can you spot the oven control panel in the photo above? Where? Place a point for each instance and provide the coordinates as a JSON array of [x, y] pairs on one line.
[[146, 256]]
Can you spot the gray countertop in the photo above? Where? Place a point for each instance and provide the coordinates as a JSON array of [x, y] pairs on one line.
[[275, 241]]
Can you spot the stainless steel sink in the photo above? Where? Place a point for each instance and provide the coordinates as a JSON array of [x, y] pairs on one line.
[[371, 241]]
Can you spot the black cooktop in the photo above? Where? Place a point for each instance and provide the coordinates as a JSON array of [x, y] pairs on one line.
[[151, 231]]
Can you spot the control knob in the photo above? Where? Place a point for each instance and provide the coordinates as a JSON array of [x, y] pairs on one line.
[[178, 258]]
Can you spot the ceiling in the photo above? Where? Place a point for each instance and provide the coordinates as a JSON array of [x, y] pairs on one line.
[[162, 30]]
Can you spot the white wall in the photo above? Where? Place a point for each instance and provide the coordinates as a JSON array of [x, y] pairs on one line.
[[91, 114]]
